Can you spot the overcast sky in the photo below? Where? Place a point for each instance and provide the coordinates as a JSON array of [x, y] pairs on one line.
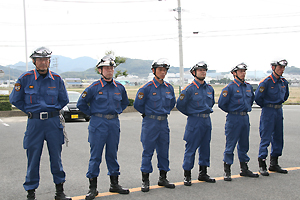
[[229, 32]]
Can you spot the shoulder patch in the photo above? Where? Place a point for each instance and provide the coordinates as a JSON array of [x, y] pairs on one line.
[[17, 87], [181, 97], [84, 94], [261, 88], [225, 93], [140, 95]]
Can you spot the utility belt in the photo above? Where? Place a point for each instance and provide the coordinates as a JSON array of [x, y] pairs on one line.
[[108, 116], [43, 115], [157, 117], [276, 106], [200, 115], [238, 113]]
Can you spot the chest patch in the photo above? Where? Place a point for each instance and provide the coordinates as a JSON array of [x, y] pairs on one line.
[[154, 93], [31, 86], [100, 93], [196, 93]]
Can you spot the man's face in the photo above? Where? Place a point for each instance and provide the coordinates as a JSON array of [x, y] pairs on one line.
[[200, 73], [161, 72], [42, 64], [107, 71], [279, 69], [241, 73]]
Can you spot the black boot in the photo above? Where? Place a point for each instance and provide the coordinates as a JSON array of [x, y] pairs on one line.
[[275, 167], [246, 172], [227, 172], [145, 182], [93, 192], [163, 181], [115, 187], [60, 195], [203, 176], [187, 178], [263, 167], [31, 194]]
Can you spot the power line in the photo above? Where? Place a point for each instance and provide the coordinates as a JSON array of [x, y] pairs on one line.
[[72, 1]]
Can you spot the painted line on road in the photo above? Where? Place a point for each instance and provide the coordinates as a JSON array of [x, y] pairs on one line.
[[177, 184], [5, 124]]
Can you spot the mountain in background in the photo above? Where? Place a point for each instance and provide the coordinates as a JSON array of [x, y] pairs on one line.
[[84, 68]]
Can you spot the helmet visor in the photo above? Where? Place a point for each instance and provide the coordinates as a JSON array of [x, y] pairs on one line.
[[201, 64], [282, 62], [163, 62], [41, 52]]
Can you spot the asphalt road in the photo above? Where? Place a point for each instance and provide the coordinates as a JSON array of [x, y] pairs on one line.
[[75, 160]]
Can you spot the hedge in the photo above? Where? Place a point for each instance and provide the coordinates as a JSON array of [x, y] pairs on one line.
[[4, 103]]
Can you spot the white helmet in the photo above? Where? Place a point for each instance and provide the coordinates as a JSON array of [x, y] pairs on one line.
[[162, 62], [108, 60], [41, 52], [281, 62], [239, 66]]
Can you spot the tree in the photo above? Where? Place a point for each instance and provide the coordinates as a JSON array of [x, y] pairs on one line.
[[120, 73], [118, 60]]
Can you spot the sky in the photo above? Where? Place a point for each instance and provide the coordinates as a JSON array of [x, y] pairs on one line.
[[221, 33]]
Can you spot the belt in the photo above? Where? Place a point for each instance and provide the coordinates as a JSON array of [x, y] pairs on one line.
[[201, 115], [276, 106], [42, 115], [157, 117], [108, 116], [238, 113]]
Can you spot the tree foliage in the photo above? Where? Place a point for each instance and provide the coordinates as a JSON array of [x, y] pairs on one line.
[[120, 73], [118, 60]]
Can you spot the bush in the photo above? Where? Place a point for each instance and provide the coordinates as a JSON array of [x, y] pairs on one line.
[[4, 103], [130, 102], [4, 106]]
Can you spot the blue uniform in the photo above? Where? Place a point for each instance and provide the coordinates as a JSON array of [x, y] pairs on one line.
[[103, 101], [43, 97], [236, 99], [196, 101], [270, 95], [155, 100]]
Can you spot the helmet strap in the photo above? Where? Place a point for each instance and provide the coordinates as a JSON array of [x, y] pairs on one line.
[[157, 76], [239, 79], [200, 79], [275, 72]]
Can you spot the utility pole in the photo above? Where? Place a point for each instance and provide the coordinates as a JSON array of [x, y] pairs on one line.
[[25, 30], [180, 45], [55, 64]]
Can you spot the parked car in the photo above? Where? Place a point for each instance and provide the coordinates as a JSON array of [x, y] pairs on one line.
[[254, 84], [70, 111]]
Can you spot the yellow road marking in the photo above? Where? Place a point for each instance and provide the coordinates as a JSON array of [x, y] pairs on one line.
[[177, 184]]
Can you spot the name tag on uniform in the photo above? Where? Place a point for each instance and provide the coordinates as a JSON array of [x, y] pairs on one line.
[[154, 93], [31, 86], [100, 93]]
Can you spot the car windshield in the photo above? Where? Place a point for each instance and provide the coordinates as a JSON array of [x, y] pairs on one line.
[[73, 97]]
